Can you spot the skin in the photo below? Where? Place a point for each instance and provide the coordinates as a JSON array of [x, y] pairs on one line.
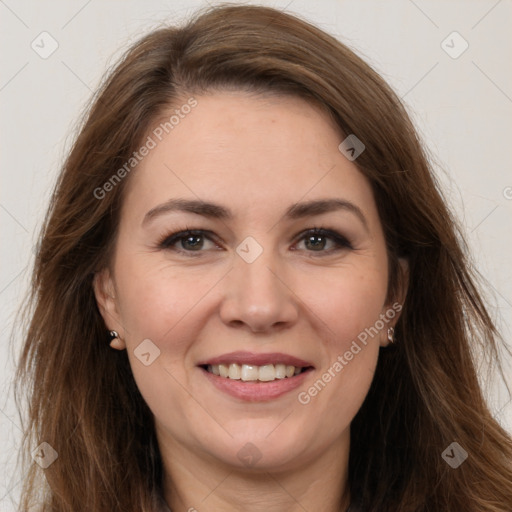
[[256, 156]]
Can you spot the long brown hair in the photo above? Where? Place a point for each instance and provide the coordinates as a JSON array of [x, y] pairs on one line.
[[83, 400]]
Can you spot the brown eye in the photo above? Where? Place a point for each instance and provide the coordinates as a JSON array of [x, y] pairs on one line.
[[191, 240], [317, 239]]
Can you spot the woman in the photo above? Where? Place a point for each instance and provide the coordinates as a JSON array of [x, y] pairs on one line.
[[248, 218]]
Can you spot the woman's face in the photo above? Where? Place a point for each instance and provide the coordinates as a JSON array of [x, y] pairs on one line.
[[251, 285]]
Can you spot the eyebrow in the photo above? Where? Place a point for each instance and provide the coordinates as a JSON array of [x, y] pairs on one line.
[[216, 211]]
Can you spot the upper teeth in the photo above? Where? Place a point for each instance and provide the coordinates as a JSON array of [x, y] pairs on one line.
[[247, 372]]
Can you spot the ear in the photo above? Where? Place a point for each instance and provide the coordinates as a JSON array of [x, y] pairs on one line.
[[104, 291], [393, 310], [403, 282]]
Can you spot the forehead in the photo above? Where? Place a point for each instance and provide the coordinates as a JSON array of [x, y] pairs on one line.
[[255, 154]]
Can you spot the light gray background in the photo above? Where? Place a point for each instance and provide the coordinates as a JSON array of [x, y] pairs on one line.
[[461, 106]]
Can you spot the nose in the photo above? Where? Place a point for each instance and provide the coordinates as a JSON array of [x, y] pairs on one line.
[[257, 296]]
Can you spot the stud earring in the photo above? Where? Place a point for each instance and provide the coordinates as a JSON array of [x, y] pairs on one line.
[[115, 340], [391, 333]]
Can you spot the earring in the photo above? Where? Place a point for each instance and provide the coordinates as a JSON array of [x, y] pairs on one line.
[[391, 333], [115, 340]]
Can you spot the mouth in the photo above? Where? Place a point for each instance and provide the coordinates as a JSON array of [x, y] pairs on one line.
[[255, 377], [251, 373]]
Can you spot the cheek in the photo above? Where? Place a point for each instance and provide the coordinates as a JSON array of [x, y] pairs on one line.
[[349, 312], [154, 303], [161, 303], [156, 297], [350, 302], [350, 309]]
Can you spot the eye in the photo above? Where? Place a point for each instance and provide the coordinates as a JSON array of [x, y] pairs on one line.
[[190, 240], [317, 238]]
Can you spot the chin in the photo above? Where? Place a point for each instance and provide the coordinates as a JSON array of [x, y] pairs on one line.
[[260, 453]]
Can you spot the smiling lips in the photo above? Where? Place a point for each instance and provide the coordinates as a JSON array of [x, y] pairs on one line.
[[247, 372], [255, 377]]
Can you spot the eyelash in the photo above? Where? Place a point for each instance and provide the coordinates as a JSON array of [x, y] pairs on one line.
[[169, 240]]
